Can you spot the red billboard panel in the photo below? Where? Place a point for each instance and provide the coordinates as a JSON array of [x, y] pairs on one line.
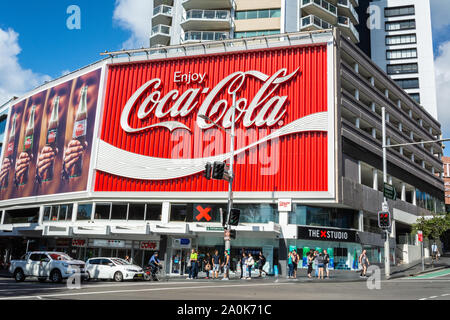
[[49, 140], [163, 120]]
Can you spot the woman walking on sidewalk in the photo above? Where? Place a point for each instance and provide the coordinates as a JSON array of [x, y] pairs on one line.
[[310, 257], [290, 266], [364, 261]]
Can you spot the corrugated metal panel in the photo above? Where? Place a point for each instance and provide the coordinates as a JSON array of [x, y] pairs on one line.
[[302, 157]]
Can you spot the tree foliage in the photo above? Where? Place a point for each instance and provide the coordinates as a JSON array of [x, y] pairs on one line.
[[432, 228]]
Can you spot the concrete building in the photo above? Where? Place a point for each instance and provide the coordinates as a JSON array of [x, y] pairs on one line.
[[402, 45], [141, 187], [184, 21]]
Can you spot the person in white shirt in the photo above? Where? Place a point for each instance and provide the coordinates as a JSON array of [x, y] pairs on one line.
[[250, 263]]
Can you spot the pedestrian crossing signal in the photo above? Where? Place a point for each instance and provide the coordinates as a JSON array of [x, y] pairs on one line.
[[208, 171], [384, 219]]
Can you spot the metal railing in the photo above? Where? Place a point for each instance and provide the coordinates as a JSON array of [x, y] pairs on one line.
[[208, 14], [323, 4], [163, 9], [347, 3], [313, 20], [161, 28], [205, 36], [346, 22]]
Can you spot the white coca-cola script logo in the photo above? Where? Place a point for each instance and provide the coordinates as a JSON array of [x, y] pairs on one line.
[[264, 109]]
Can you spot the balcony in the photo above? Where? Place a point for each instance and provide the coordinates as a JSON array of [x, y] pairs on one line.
[[157, 3], [346, 8], [320, 8], [197, 36], [348, 29], [162, 15], [160, 35], [207, 20], [311, 23], [207, 4]]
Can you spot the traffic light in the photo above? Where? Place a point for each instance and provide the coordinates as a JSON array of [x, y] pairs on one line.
[[233, 234], [219, 170], [208, 169], [223, 217], [384, 219], [234, 217]]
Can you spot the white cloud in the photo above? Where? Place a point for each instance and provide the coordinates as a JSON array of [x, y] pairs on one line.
[[442, 69], [134, 15], [14, 80], [440, 10]]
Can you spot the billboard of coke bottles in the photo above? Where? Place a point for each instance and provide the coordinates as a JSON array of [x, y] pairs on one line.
[[49, 140]]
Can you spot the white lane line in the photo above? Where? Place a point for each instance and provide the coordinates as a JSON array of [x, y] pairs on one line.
[[99, 286], [423, 299], [143, 290], [432, 297]]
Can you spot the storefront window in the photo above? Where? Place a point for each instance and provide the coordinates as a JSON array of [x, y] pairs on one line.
[[181, 212], [324, 217], [119, 211], [258, 213], [136, 211], [84, 211], [47, 211], [29, 215], [154, 211], [65, 212], [102, 211]]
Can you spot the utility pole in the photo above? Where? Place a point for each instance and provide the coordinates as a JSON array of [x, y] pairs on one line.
[[231, 177], [387, 266]]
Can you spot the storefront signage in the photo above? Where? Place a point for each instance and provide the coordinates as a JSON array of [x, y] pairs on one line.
[[324, 234], [181, 243], [79, 243], [284, 205], [149, 245], [109, 243], [153, 119]]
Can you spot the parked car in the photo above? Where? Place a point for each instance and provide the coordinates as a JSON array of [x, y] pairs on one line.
[[113, 268], [44, 265]]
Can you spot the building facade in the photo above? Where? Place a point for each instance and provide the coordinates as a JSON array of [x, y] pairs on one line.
[[185, 21], [402, 45], [120, 149]]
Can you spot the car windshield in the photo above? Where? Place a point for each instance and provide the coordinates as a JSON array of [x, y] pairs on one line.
[[121, 261], [60, 257]]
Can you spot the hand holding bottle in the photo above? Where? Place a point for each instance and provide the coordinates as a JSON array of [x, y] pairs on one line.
[[22, 165], [45, 159], [5, 169], [73, 154]]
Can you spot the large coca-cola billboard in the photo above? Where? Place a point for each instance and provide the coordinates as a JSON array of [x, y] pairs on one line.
[[49, 140], [155, 138]]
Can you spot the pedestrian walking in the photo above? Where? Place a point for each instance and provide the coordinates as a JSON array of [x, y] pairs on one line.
[[364, 261], [250, 263], [326, 261], [290, 265], [226, 266], [216, 264], [295, 259], [434, 252], [310, 258], [194, 264], [261, 262], [243, 264], [207, 263]]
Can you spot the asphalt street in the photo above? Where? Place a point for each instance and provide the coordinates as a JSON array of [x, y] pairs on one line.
[[429, 286]]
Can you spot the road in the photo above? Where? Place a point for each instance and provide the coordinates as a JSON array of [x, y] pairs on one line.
[[431, 286]]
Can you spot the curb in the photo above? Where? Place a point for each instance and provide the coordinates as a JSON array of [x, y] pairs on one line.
[[402, 275]]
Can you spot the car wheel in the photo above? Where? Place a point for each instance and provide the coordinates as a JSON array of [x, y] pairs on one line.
[[56, 276], [19, 276], [118, 276], [42, 280]]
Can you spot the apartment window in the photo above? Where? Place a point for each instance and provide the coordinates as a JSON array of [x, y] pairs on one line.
[[399, 11], [408, 83], [154, 211], [403, 68], [400, 25], [84, 211], [58, 213], [401, 54], [415, 96], [248, 34], [102, 211], [258, 14], [401, 39]]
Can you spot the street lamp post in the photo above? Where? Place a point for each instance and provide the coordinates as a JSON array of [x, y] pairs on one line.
[[384, 205]]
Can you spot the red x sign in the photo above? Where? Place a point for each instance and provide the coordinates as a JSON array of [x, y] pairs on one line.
[[203, 213], [323, 234]]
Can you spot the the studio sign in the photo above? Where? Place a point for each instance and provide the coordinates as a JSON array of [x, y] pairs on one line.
[[323, 234]]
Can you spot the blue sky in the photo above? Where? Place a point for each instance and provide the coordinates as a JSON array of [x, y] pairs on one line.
[[36, 45]]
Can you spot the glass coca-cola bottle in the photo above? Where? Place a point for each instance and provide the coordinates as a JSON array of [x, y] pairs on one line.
[[10, 150], [79, 131], [52, 136], [28, 144]]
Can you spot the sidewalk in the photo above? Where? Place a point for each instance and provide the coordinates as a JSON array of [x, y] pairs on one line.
[[415, 268]]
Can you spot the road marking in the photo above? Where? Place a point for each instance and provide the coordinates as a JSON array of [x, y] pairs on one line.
[[144, 290], [433, 275], [432, 297], [445, 294], [423, 299]]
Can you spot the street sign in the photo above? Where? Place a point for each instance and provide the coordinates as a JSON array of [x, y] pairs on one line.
[[389, 192], [214, 229], [420, 236]]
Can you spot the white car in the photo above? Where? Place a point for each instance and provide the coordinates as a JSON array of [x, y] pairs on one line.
[[44, 265], [113, 268]]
